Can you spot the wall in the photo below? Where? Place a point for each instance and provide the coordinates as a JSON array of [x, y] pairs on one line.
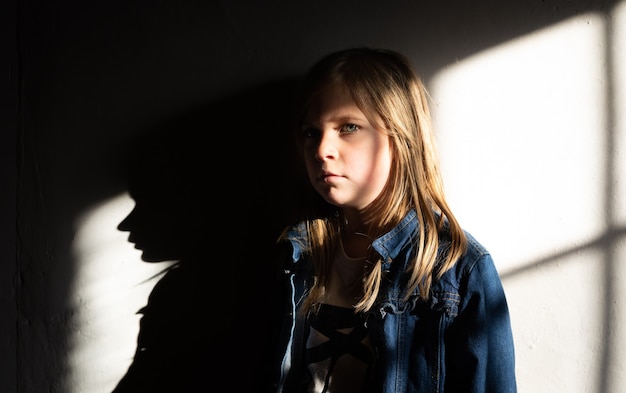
[[8, 175], [528, 98]]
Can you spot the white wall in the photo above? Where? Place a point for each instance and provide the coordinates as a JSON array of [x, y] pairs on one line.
[[529, 102], [537, 124]]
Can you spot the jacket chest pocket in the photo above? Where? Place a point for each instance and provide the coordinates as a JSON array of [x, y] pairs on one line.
[[446, 303]]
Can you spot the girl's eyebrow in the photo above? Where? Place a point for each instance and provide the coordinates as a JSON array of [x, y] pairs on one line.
[[348, 118], [339, 119]]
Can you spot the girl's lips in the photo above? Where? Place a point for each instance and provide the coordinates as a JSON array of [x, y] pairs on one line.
[[329, 177]]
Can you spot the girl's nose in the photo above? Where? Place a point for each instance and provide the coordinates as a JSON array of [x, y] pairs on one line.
[[327, 148]]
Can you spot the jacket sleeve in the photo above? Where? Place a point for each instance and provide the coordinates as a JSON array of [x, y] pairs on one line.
[[480, 353], [278, 295]]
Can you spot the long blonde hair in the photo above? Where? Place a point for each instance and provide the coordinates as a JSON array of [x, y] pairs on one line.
[[384, 87]]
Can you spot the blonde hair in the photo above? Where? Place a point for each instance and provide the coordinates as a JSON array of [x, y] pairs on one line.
[[384, 87]]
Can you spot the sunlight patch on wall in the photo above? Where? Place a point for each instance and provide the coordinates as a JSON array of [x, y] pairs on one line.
[[112, 283], [521, 132], [534, 161], [558, 333]]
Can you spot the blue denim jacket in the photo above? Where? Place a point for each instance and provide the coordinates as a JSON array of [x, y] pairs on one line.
[[459, 340]]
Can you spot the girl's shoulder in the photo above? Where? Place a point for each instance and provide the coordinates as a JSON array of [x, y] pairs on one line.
[[295, 240], [474, 247]]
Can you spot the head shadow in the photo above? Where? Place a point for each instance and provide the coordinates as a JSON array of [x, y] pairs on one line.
[[223, 175]]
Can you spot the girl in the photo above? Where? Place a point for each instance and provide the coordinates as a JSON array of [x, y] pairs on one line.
[[384, 291]]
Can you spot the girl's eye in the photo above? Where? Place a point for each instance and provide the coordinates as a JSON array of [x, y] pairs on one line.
[[349, 128], [310, 132]]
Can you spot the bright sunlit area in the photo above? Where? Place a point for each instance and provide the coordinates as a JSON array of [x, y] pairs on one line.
[[532, 145], [112, 283]]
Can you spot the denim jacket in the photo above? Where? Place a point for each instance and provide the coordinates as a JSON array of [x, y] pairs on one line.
[[459, 340]]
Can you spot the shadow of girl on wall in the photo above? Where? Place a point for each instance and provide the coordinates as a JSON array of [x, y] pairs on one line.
[[212, 190]]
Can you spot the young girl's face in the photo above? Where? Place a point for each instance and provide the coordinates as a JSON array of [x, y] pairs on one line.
[[347, 159]]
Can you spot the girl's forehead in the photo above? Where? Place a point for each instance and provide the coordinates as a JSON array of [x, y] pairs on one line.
[[332, 96], [333, 106]]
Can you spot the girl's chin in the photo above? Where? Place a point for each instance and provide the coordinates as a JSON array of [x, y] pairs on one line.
[[332, 199], [336, 198], [335, 202]]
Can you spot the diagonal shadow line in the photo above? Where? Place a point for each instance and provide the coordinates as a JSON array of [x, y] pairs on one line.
[[607, 243], [604, 241]]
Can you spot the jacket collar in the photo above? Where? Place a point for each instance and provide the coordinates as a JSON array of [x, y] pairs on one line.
[[388, 245], [391, 243]]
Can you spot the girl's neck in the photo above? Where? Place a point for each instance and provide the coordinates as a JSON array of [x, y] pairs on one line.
[[356, 245], [355, 236]]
